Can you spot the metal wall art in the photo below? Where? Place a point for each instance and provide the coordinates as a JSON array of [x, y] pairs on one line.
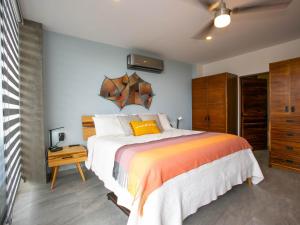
[[127, 90]]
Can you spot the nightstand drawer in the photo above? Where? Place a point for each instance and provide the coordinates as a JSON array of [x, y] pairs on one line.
[[68, 155], [66, 159]]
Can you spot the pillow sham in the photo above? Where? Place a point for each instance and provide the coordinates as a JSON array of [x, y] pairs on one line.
[[125, 123], [155, 117], [164, 121], [107, 126], [144, 127]]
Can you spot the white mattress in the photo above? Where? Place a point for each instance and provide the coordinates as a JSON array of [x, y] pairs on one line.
[[174, 200]]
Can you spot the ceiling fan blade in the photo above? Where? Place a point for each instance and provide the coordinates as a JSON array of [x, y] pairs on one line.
[[209, 5], [267, 5], [201, 35]]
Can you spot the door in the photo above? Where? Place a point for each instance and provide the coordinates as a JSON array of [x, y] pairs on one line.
[[254, 110], [295, 87], [216, 103], [279, 89], [199, 104]]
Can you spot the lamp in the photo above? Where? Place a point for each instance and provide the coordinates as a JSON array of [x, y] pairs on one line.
[[222, 16], [55, 148], [178, 120]]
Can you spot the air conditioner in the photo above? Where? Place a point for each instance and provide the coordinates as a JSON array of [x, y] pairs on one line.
[[143, 63]]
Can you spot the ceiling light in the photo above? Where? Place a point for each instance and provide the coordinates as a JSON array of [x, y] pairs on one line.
[[208, 38], [222, 21], [222, 17]]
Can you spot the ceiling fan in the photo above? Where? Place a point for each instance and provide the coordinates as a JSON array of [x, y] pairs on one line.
[[222, 14]]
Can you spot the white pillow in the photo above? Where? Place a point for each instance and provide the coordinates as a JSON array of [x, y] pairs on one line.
[[107, 125], [152, 117], [164, 121], [109, 115], [125, 123]]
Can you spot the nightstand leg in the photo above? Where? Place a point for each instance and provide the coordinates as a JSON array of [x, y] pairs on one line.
[[55, 170], [80, 171]]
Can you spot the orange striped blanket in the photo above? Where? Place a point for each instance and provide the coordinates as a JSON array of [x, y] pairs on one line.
[[144, 167]]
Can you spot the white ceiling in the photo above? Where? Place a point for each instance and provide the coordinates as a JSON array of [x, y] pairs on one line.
[[165, 27]]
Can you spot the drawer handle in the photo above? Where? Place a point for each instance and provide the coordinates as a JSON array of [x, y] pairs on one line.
[[293, 109], [290, 148], [286, 108], [290, 121], [290, 134], [289, 161], [67, 157]]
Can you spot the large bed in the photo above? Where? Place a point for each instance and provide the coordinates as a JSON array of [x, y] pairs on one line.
[[176, 198]]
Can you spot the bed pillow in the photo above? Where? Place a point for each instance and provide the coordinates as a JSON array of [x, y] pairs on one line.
[[125, 123], [164, 121], [155, 117], [109, 115], [144, 127], [107, 125]]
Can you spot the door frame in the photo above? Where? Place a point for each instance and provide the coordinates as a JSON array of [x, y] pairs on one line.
[[240, 101]]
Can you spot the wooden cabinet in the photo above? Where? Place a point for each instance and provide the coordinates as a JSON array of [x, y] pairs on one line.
[[284, 110], [214, 100]]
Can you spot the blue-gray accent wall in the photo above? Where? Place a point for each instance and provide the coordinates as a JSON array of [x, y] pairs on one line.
[[73, 73]]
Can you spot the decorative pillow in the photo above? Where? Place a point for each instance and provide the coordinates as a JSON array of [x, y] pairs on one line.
[[125, 123], [155, 117], [164, 121], [107, 126], [144, 127]]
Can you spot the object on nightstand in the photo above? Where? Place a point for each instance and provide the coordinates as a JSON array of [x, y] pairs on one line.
[[61, 137], [178, 120]]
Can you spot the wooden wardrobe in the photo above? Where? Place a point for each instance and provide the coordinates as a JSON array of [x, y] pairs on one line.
[[214, 103], [284, 111]]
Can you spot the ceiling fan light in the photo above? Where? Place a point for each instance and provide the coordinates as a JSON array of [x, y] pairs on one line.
[[222, 20]]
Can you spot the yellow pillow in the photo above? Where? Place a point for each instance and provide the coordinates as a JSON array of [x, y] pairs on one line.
[[144, 127]]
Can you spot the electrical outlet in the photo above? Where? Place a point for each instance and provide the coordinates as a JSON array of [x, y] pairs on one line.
[[61, 136]]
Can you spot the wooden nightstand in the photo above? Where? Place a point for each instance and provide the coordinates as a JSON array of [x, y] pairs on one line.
[[69, 155]]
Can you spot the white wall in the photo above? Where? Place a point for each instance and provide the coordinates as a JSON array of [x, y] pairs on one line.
[[197, 70], [253, 62]]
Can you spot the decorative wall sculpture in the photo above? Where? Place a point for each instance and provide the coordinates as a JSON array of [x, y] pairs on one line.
[[127, 90]]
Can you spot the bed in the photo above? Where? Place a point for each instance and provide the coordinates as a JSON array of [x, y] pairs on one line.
[[173, 200]]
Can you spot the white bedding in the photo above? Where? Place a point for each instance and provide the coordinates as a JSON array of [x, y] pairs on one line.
[[174, 200]]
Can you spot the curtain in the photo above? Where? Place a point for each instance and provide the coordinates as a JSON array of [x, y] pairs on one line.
[[10, 101]]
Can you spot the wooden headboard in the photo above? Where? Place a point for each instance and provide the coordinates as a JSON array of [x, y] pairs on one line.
[[88, 127]]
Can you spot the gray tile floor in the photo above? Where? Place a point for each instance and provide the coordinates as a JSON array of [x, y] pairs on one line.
[[275, 201]]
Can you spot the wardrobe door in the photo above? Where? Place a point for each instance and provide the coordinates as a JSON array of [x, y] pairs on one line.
[[216, 103], [217, 118], [279, 89], [199, 104], [295, 87]]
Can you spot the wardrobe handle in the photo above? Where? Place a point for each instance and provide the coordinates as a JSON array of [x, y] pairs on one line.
[[208, 118], [290, 121], [205, 118], [293, 109], [289, 161], [286, 109], [289, 148]]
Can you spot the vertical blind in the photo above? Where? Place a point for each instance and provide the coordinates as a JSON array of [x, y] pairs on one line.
[[10, 99]]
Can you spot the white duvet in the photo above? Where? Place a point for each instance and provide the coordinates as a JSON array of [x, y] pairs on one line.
[[181, 196]]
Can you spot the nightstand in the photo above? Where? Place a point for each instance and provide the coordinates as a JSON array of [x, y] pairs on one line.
[[69, 155]]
